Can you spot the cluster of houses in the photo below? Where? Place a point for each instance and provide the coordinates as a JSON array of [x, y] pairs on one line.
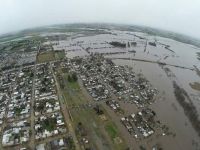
[[65, 142], [47, 105], [114, 105], [15, 97], [16, 59], [16, 133], [49, 120], [6, 80], [16, 88], [117, 77], [49, 125], [141, 124], [46, 99], [101, 76], [145, 94], [4, 99], [128, 86], [17, 53], [89, 70], [19, 105]]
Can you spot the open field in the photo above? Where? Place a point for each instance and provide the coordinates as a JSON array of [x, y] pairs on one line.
[[114, 134], [59, 55], [45, 57], [50, 56], [101, 134], [111, 129], [72, 85]]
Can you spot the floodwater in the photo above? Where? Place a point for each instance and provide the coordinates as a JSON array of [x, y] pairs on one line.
[[167, 108]]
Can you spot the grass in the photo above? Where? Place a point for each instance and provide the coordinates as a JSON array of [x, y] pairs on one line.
[[111, 130], [17, 111], [114, 134], [86, 116], [50, 56], [72, 85], [49, 124], [97, 129], [59, 55], [72, 92], [46, 57]]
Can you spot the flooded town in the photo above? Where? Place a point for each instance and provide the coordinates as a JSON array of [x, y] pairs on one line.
[[98, 87]]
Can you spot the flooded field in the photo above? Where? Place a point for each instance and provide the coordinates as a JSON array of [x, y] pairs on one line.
[[126, 73], [161, 61]]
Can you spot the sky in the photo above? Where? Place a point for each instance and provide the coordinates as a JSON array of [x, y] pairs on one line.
[[182, 16]]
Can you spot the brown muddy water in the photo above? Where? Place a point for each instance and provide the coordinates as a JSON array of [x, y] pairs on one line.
[[167, 108]]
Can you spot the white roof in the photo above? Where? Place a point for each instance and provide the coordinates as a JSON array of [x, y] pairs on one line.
[[40, 147], [6, 138], [133, 115], [61, 142]]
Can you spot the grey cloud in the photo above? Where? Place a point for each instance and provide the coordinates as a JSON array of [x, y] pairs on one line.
[[176, 15]]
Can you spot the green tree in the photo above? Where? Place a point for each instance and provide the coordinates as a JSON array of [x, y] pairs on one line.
[[74, 77], [69, 78]]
